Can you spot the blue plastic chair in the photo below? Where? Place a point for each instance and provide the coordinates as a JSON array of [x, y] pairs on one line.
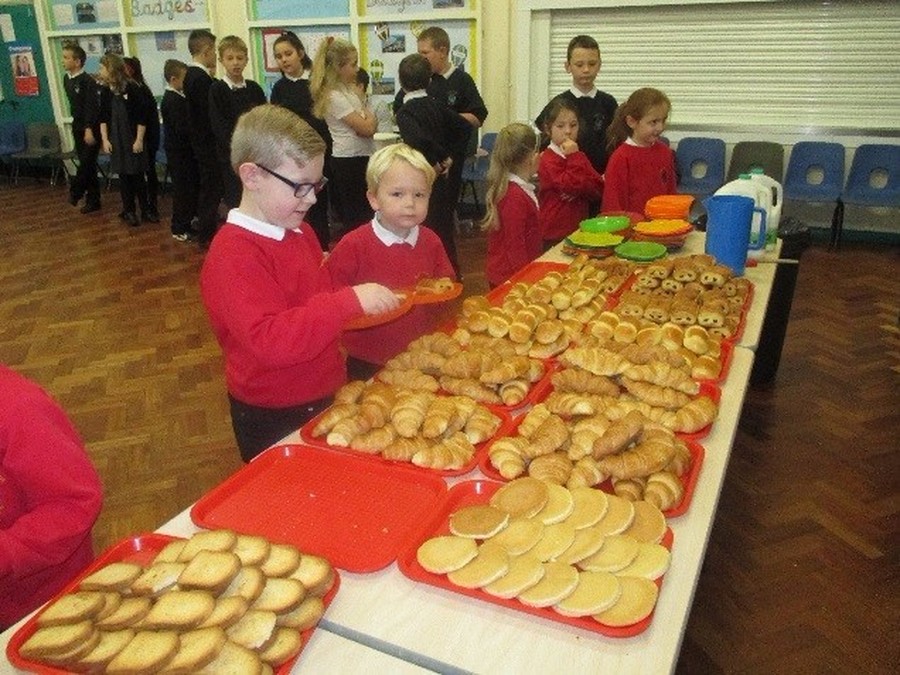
[[476, 167], [815, 173], [874, 178], [12, 142], [701, 165]]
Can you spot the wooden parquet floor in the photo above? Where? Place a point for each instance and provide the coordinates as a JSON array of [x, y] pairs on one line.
[[801, 572]]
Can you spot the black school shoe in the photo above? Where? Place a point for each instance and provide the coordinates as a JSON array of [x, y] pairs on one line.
[[150, 216], [90, 207], [73, 199], [130, 218]]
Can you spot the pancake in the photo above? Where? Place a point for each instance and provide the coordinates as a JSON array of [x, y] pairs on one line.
[[587, 542], [617, 552], [519, 536], [555, 539], [524, 572], [649, 523], [440, 555], [522, 497], [558, 582], [617, 517], [596, 592], [491, 563], [559, 506], [651, 562], [636, 602], [478, 522], [590, 505]]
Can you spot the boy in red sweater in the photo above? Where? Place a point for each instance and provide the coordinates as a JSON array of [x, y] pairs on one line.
[[50, 496], [394, 250], [272, 305]]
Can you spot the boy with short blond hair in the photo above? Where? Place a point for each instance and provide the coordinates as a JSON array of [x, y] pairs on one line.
[[394, 250], [274, 309], [229, 98]]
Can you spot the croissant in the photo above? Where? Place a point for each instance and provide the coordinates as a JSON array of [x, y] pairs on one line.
[[619, 435], [586, 473], [695, 415], [452, 453], [496, 347], [508, 369], [437, 418], [681, 460], [404, 449], [584, 382], [439, 343], [631, 489], [648, 456], [377, 402], [706, 368], [533, 419], [664, 490], [471, 388], [350, 392], [410, 379], [427, 362], [409, 413], [655, 395], [553, 468], [512, 393], [596, 360], [375, 440], [469, 364], [662, 374], [332, 416], [551, 435], [571, 404], [481, 425], [506, 456], [346, 430]]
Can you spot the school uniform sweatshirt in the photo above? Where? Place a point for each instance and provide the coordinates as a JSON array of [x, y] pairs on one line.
[[634, 174], [567, 184]]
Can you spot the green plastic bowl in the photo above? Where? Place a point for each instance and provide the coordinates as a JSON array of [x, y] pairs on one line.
[[605, 224]]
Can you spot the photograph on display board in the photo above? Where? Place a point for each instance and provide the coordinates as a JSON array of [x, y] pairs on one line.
[[25, 79], [97, 14]]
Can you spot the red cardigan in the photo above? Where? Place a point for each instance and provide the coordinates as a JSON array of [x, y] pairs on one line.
[[361, 257], [276, 316], [635, 174], [517, 239], [567, 184], [50, 496]]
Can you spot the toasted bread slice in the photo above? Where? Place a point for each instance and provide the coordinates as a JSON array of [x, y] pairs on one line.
[[248, 584], [181, 610], [70, 657], [284, 645], [234, 659], [110, 644], [282, 560], [72, 608], [55, 640], [117, 576], [280, 595], [316, 573], [147, 652], [209, 540], [196, 649], [158, 578], [254, 629], [170, 551], [305, 616], [227, 612], [252, 550], [130, 611], [210, 570]]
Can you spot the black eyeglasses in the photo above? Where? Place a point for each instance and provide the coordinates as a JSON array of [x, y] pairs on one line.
[[300, 189]]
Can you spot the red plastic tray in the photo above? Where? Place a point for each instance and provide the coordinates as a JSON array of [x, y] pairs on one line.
[[356, 513], [479, 492], [141, 549], [480, 449]]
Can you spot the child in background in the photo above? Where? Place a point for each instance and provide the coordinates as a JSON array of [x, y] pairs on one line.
[[125, 114], [273, 308], [197, 82], [511, 221], [641, 166], [229, 98], [151, 138], [393, 250], [568, 182], [595, 108], [292, 92], [180, 157], [352, 124], [84, 103], [435, 130], [50, 497]]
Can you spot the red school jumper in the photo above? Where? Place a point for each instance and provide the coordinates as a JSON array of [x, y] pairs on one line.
[[362, 257], [275, 315], [517, 239], [567, 184], [634, 174]]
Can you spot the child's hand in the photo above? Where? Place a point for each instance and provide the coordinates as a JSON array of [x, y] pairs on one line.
[[89, 136], [107, 146], [138, 147], [568, 146], [375, 298]]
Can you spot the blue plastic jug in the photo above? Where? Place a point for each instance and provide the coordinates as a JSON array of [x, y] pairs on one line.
[[728, 229]]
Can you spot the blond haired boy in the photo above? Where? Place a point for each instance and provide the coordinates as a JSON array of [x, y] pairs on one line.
[[394, 250], [273, 307]]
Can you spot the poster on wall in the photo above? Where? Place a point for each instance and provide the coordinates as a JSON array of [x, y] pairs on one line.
[[292, 9], [25, 78], [97, 14], [156, 13]]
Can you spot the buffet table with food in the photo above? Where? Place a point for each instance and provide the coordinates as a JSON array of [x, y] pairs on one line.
[[529, 488]]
